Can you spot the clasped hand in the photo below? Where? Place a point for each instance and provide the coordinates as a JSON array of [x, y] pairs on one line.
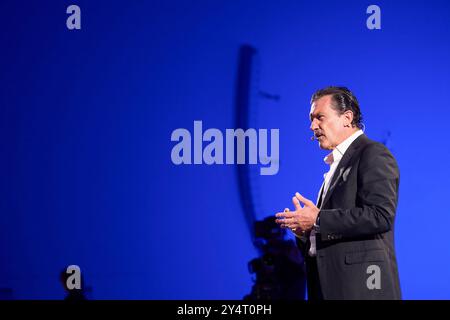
[[300, 220]]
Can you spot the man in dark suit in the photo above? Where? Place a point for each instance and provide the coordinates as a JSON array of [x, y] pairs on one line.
[[347, 237]]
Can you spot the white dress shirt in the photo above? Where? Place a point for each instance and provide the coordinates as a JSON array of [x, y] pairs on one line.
[[333, 160]]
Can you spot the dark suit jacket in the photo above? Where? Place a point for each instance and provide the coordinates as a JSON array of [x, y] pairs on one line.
[[357, 225]]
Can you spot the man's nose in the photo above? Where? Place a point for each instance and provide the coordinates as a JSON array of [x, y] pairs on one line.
[[314, 126]]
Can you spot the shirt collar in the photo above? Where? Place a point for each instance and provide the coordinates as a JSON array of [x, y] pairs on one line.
[[338, 152]]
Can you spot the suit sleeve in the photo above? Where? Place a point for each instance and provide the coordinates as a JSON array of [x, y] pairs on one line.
[[302, 243], [376, 199]]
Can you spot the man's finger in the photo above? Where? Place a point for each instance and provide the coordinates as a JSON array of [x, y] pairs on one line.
[[285, 221], [285, 215], [296, 203], [307, 202]]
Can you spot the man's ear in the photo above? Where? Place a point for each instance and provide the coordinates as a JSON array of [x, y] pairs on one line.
[[348, 115]]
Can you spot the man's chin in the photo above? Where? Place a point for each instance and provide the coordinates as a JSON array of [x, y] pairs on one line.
[[324, 146]]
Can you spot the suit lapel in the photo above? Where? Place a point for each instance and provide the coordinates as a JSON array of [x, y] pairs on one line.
[[319, 197], [360, 141]]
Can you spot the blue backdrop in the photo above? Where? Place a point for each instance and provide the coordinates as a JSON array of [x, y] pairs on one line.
[[87, 115]]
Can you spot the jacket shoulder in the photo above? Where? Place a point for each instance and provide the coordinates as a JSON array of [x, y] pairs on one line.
[[372, 148], [376, 154]]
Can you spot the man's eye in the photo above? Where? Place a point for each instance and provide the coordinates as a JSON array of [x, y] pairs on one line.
[[319, 117]]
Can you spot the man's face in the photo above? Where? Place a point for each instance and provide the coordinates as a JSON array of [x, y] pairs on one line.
[[327, 124]]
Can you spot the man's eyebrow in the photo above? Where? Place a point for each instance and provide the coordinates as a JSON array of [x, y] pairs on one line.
[[315, 115]]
